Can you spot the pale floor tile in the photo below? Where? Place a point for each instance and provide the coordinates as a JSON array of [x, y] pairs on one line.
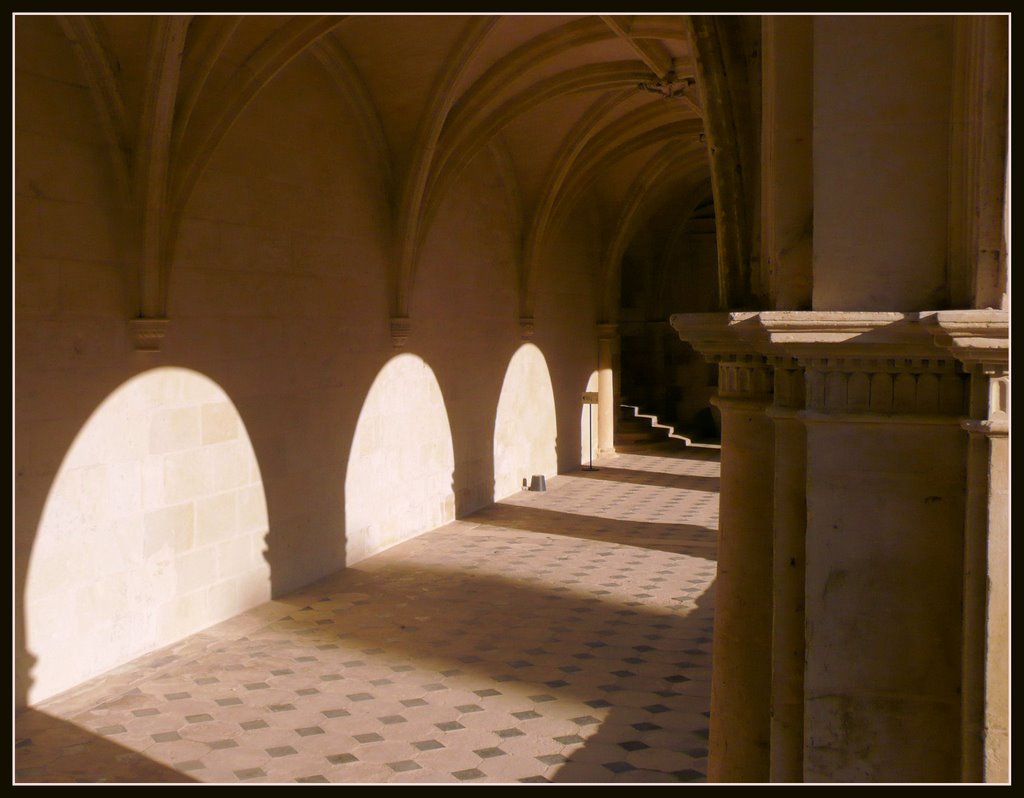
[[560, 636]]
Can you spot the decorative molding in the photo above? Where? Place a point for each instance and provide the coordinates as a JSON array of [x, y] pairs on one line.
[[897, 385], [838, 363], [788, 389], [607, 331], [526, 328], [401, 327], [980, 339], [869, 363], [975, 337], [718, 334], [148, 334], [745, 377]]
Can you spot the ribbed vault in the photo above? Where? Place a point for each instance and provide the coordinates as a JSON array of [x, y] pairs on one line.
[[600, 111]]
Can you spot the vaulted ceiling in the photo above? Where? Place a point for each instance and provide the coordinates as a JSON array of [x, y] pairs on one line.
[[598, 110]]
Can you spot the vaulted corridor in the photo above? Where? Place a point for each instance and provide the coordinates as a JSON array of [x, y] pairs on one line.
[[558, 636]]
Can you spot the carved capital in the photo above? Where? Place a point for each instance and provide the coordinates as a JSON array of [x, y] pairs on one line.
[[896, 385], [401, 326], [788, 389], [607, 330], [148, 334], [526, 328], [858, 363], [744, 377]]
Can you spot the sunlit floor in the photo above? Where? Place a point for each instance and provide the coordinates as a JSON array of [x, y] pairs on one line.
[[560, 636]]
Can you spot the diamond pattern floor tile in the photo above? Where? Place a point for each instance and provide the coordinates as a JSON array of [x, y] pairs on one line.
[[554, 637]]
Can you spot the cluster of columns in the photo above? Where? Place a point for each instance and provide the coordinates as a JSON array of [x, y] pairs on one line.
[[861, 603]]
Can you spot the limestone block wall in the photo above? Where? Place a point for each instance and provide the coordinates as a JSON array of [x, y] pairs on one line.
[[399, 478], [525, 429], [280, 286], [154, 528]]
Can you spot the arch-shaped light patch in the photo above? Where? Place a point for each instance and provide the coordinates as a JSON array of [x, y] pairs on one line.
[[400, 468], [525, 431], [153, 529], [588, 423]]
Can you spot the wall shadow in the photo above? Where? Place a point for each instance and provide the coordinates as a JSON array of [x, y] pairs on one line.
[[654, 479], [48, 749], [689, 539]]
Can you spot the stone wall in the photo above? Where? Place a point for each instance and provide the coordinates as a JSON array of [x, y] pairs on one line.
[[280, 292]]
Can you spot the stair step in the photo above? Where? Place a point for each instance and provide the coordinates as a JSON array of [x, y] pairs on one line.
[[636, 427]]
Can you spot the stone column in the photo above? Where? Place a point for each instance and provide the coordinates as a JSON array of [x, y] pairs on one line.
[[741, 652], [978, 338], [790, 528], [605, 389], [885, 510]]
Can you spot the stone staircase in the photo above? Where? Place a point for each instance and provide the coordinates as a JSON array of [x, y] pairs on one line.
[[636, 428]]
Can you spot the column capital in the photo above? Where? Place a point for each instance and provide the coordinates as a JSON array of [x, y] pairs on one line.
[[148, 334], [869, 363], [400, 327], [607, 329]]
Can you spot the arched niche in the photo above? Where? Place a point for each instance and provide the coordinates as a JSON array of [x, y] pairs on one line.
[[400, 468], [525, 431], [153, 529]]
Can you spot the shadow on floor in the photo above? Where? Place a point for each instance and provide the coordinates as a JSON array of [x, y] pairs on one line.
[[654, 479], [513, 604], [84, 757], [689, 539]]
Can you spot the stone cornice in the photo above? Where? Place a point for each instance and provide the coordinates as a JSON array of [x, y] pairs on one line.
[[834, 362], [845, 334], [718, 335], [975, 337]]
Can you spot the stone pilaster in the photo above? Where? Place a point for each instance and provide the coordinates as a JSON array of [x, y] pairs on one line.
[[884, 517], [741, 656], [979, 340], [606, 335]]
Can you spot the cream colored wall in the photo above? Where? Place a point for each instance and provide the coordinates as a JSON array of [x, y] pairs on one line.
[[154, 528], [279, 292], [399, 478], [588, 425], [525, 429]]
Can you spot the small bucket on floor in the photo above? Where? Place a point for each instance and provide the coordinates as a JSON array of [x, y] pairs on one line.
[[538, 482]]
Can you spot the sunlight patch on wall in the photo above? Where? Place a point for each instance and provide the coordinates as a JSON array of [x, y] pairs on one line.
[[400, 469], [153, 529], [525, 430], [588, 424]]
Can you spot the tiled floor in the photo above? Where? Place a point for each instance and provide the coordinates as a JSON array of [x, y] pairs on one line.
[[562, 636]]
